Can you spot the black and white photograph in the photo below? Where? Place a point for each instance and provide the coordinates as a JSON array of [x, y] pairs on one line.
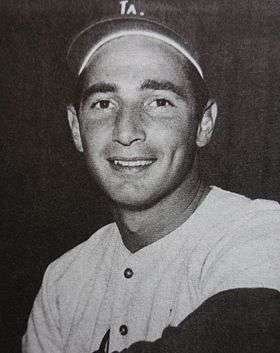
[[140, 176]]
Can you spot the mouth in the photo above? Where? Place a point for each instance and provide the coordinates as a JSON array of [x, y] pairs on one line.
[[133, 164]]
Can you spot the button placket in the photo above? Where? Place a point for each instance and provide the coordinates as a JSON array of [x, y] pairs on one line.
[[126, 275]]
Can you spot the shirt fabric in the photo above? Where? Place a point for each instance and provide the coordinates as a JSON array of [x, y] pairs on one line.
[[229, 242]]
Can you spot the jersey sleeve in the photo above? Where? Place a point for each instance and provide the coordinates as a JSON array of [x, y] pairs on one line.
[[43, 334]]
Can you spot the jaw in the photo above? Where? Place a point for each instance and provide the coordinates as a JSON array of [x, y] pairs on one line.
[[143, 224], [140, 180], [140, 190]]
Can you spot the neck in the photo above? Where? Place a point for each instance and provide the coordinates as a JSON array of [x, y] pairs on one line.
[[163, 217]]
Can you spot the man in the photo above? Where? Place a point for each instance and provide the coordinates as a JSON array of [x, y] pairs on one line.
[[186, 267]]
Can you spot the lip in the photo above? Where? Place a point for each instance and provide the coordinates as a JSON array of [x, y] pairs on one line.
[[131, 163]]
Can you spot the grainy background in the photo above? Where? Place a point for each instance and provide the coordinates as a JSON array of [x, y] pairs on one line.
[[48, 202]]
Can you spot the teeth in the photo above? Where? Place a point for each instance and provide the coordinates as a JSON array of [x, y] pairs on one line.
[[133, 163]]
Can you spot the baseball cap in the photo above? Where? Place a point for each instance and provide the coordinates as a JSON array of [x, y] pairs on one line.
[[174, 22]]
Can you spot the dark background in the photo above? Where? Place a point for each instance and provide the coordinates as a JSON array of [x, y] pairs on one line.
[[48, 204]]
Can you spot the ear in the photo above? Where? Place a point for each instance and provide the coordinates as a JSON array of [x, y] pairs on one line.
[[75, 127], [207, 123]]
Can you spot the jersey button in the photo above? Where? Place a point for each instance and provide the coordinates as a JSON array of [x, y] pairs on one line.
[[128, 273], [123, 330]]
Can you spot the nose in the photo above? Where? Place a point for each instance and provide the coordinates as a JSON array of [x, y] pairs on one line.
[[128, 127]]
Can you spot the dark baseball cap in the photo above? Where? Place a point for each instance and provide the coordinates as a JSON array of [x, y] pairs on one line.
[[174, 22]]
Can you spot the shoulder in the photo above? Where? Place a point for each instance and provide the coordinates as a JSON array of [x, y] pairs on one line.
[[240, 245], [226, 211], [77, 261], [226, 217], [233, 204], [65, 281]]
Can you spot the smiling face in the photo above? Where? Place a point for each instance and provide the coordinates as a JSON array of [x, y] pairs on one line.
[[137, 123]]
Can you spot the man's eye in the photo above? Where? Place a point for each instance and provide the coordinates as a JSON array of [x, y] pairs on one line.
[[102, 104], [161, 102]]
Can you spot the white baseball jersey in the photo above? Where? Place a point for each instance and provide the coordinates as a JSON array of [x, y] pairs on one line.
[[229, 242]]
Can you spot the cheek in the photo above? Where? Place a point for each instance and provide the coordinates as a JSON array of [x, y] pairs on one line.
[[94, 134], [177, 135]]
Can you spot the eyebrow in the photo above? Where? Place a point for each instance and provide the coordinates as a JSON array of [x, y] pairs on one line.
[[103, 87], [100, 87], [163, 86]]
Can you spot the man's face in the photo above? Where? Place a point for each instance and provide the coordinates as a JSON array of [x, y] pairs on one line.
[[137, 120]]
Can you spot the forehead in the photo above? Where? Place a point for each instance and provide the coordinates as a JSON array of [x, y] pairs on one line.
[[134, 59]]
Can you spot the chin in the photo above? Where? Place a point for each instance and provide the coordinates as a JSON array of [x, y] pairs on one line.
[[135, 200], [133, 205], [129, 201]]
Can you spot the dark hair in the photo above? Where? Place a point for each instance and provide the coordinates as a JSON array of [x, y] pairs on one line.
[[199, 90], [77, 91]]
